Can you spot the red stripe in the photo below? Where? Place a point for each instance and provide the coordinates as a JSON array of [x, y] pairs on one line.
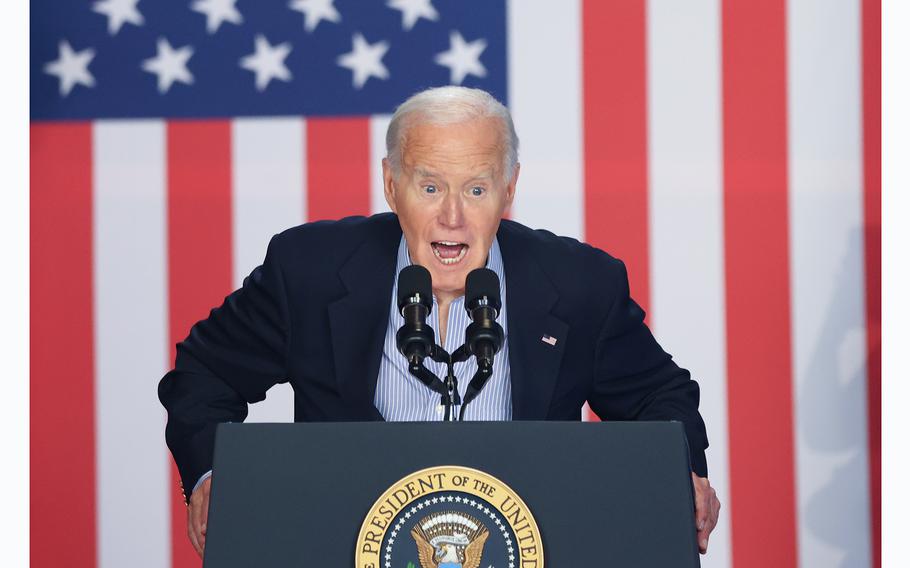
[[872, 206], [615, 135], [338, 167], [756, 233], [199, 251], [62, 472]]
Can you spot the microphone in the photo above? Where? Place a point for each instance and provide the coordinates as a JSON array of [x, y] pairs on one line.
[[416, 340], [484, 336]]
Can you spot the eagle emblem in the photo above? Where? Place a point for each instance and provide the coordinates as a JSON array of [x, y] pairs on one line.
[[449, 539]]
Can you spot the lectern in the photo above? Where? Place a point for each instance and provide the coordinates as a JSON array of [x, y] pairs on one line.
[[452, 495]]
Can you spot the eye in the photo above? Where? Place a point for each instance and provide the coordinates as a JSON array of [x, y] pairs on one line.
[[429, 189], [477, 191]]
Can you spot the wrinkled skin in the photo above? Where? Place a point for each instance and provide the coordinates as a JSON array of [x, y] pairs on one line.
[[451, 188]]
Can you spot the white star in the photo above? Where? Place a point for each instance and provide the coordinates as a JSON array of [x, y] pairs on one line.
[[170, 65], [365, 60], [314, 11], [267, 62], [119, 12], [217, 12], [71, 67], [463, 58], [413, 10]]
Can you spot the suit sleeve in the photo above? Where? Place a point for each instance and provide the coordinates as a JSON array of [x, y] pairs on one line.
[[228, 360], [637, 380]]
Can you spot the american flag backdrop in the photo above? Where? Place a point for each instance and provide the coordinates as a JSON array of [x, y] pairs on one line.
[[727, 150]]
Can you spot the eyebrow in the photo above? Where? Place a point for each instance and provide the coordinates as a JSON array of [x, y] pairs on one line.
[[424, 173], [427, 173]]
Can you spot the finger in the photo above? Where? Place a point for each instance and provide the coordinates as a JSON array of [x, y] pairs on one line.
[[204, 515], [703, 506], [201, 539], [192, 533], [701, 513], [702, 536], [196, 523], [712, 506], [715, 512], [204, 505]]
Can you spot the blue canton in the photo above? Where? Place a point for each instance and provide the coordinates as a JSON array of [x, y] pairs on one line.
[[225, 59]]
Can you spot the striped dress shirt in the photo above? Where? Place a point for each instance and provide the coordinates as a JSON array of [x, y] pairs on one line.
[[401, 397]]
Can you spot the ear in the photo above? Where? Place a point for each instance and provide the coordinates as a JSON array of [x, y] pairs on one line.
[[388, 184], [510, 189]]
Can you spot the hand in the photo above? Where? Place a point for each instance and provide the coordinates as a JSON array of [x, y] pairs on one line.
[[707, 509], [197, 516]]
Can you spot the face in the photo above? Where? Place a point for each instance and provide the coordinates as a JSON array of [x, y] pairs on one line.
[[450, 196]]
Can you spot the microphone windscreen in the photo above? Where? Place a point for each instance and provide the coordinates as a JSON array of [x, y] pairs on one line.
[[482, 282], [413, 280]]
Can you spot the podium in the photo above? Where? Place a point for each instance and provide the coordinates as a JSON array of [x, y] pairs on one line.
[[452, 495]]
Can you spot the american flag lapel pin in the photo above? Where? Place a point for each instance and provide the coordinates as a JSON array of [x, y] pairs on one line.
[[549, 340]]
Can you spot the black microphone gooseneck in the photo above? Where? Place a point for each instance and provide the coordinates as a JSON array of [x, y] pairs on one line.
[[416, 340], [484, 335]]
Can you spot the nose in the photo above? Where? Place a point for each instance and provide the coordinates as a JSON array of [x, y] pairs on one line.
[[451, 214]]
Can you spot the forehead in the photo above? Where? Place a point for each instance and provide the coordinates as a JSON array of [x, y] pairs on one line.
[[468, 145]]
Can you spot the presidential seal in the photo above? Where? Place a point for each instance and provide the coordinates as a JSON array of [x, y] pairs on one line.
[[449, 517]]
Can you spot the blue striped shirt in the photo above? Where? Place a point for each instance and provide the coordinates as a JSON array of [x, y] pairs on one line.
[[401, 397]]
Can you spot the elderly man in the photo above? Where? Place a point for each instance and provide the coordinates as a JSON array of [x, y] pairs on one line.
[[321, 314]]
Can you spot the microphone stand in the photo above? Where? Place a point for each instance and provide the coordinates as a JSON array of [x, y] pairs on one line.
[[451, 398], [448, 390], [478, 381], [480, 378]]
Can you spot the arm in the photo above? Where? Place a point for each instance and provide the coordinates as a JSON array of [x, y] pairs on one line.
[[228, 360], [637, 380]]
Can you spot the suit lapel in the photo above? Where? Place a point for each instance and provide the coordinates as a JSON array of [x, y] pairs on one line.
[[534, 360], [358, 320]]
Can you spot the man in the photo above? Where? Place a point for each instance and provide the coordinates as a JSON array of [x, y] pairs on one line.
[[321, 313]]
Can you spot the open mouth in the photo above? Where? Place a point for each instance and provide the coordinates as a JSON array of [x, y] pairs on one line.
[[449, 252]]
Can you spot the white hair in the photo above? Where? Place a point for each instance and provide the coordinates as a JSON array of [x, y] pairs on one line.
[[450, 105]]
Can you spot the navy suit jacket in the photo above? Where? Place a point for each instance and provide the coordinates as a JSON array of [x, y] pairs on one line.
[[315, 315]]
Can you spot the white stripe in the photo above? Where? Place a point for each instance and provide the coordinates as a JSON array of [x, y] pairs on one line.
[[826, 251], [268, 197], [686, 217], [378, 125], [545, 99], [131, 344]]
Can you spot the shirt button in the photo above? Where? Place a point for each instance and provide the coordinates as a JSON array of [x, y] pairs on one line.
[[440, 409]]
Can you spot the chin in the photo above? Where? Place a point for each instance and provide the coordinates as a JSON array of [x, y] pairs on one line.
[[449, 283]]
